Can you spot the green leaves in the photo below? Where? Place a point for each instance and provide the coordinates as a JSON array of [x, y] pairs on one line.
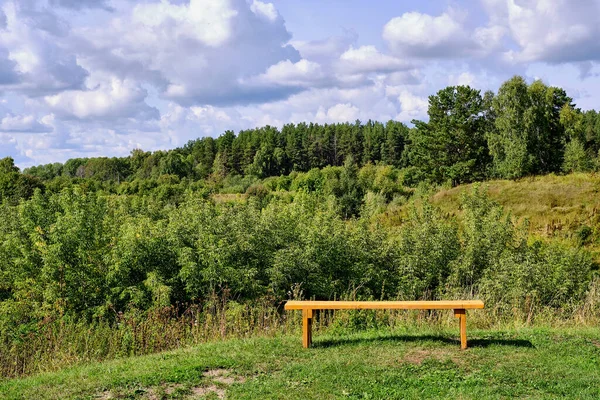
[[529, 136], [82, 254], [451, 146]]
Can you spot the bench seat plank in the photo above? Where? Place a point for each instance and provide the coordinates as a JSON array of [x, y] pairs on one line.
[[372, 305]]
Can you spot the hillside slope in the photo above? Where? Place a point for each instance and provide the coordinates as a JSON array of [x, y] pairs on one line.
[[409, 363], [555, 205]]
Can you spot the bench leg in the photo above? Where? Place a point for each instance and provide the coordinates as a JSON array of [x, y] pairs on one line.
[[307, 315], [462, 318]]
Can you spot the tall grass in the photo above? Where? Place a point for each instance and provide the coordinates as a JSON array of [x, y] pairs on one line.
[[55, 344]]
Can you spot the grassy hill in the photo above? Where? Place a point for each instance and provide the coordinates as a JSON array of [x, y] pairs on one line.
[[418, 362], [568, 200], [556, 206]]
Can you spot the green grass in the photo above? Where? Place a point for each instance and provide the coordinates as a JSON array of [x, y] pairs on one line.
[[550, 202], [556, 206], [403, 363]]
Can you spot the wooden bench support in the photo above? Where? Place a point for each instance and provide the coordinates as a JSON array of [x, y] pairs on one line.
[[308, 307], [307, 315], [461, 314]]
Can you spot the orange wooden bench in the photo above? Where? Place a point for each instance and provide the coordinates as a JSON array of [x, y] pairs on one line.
[[307, 307]]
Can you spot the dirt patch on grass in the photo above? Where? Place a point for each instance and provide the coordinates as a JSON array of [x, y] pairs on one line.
[[224, 376], [172, 388], [201, 391], [104, 395], [417, 356], [217, 381]]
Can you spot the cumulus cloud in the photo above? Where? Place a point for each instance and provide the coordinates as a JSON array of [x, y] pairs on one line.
[[31, 39], [338, 113], [223, 44], [421, 35], [266, 10], [325, 49], [411, 107], [110, 100], [23, 123], [367, 59], [209, 22], [489, 38], [462, 79], [553, 31], [303, 73], [181, 124]]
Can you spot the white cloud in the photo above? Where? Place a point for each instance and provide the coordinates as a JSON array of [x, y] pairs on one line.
[[223, 43], [368, 59], [489, 38], [36, 63], [462, 79], [422, 35], [180, 124], [266, 10], [109, 100], [338, 113], [24, 123], [285, 73], [549, 30], [411, 107], [326, 49], [208, 21]]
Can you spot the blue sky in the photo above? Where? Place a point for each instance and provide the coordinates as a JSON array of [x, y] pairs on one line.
[[84, 78]]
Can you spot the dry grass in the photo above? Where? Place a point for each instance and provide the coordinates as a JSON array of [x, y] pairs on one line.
[[53, 345], [556, 206]]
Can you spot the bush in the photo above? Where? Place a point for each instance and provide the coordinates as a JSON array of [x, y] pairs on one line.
[[576, 158]]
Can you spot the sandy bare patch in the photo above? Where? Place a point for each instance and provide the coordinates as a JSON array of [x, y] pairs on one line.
[[201, 391], [170, 389], [151, 395], [224, 376]]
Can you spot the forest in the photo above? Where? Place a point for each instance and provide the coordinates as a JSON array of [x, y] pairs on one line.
[[306, 211]]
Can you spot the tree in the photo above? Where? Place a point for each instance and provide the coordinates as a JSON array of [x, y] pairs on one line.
[[452, 144], [528, 137], [576, 159], [9, 175], [174, 163], [14, 185], [349, 193], [393, 146]]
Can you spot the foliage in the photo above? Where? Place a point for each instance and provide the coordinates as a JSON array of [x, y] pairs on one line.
[[576, 158], [451, 146], [528, 137]]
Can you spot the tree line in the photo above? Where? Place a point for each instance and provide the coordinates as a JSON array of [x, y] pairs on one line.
[[523, 129]]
